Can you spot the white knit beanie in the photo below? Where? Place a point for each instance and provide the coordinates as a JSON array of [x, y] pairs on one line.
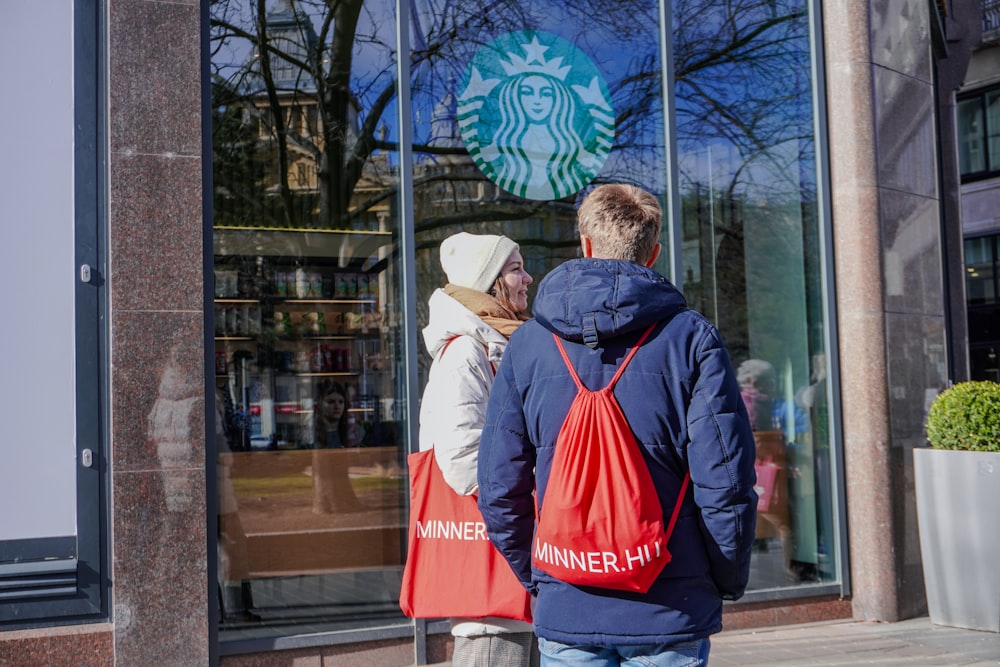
[[475, 260]]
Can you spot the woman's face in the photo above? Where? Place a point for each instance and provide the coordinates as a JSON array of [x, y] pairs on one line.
[[537, 96], [332, 407], [516, 279]]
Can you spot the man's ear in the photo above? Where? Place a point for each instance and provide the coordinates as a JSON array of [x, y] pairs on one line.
[[656, 253], [586, 246]]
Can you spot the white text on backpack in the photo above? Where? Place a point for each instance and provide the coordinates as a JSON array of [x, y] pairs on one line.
[[598, 561]]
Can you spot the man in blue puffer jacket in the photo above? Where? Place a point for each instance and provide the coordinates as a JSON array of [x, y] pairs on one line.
[[682, 402]]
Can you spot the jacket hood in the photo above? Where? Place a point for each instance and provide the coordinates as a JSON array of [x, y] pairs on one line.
[[584, 300]]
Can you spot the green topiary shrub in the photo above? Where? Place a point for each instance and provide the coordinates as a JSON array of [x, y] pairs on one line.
[[966, 416]]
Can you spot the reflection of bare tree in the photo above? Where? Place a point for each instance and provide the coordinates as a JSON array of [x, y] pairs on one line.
[[304, 101], [746, 161], [295, 83], [732, 62], [296, 87], [742, 72]]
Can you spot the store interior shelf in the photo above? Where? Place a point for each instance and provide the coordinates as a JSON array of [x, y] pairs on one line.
[[319, 374], [294, 301], [340, 243], [278, 299]]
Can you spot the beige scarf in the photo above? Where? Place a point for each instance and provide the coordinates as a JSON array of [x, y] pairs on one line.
[[487, 308]]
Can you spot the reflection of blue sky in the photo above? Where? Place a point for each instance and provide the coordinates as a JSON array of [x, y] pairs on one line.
[[618, 53], [374, 64], [626, 50], [744, 124]]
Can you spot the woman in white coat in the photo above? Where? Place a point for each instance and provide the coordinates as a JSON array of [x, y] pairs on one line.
[[471, 318]]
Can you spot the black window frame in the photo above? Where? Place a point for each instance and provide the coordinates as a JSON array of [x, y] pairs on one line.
[[979, 94], [64, 579]]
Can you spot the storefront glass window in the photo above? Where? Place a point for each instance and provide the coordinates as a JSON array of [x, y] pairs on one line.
[[308, 326], [518, 108], [746, 154]]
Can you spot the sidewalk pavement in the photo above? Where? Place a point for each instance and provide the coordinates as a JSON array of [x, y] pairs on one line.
[[911, 643]]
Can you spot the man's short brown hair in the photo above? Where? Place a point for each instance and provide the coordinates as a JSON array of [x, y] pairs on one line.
[[621, 221]]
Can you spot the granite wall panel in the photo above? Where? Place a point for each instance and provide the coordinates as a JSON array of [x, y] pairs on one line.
[[156, 233], [160, 562], [906, 133], [155, 77], [900, 37]]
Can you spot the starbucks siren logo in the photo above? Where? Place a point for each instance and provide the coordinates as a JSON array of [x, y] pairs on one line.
[[535, 115]]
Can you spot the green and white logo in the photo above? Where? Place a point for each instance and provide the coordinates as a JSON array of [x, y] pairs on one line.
[[535, 115]]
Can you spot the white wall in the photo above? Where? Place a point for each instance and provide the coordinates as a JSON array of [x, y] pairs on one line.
[[37, 376]]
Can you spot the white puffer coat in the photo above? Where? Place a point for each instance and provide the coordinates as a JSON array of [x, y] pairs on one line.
[[453, 407], [453, 410]]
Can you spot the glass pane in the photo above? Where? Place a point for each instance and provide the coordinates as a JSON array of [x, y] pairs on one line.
[[980, 261], [983, 364], [993, 128], [751, 253], [519, 107], [308, 327], [970, 136]]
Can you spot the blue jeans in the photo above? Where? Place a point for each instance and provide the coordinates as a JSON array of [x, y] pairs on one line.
[[686, 654]]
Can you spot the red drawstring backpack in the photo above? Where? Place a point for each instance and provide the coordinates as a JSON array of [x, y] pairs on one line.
[[601, 523]]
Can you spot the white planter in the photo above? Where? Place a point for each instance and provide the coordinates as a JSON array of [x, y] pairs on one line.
[[958, 516]]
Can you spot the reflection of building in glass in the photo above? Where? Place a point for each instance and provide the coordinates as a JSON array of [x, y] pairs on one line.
[[287, 135], [287, 130]]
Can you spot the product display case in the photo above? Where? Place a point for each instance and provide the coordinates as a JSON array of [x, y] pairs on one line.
[[301, 315], [287, 324]]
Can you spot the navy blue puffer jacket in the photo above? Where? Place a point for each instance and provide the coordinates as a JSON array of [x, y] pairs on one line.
[[680, 396]]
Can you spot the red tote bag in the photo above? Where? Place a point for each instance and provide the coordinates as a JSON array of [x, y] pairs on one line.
[[767, 477], [452, 569]]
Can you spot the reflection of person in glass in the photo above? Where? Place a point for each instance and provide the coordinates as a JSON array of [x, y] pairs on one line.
[[536, 151], [757, 387], [331, 417], [332, 491], [235, 594]]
